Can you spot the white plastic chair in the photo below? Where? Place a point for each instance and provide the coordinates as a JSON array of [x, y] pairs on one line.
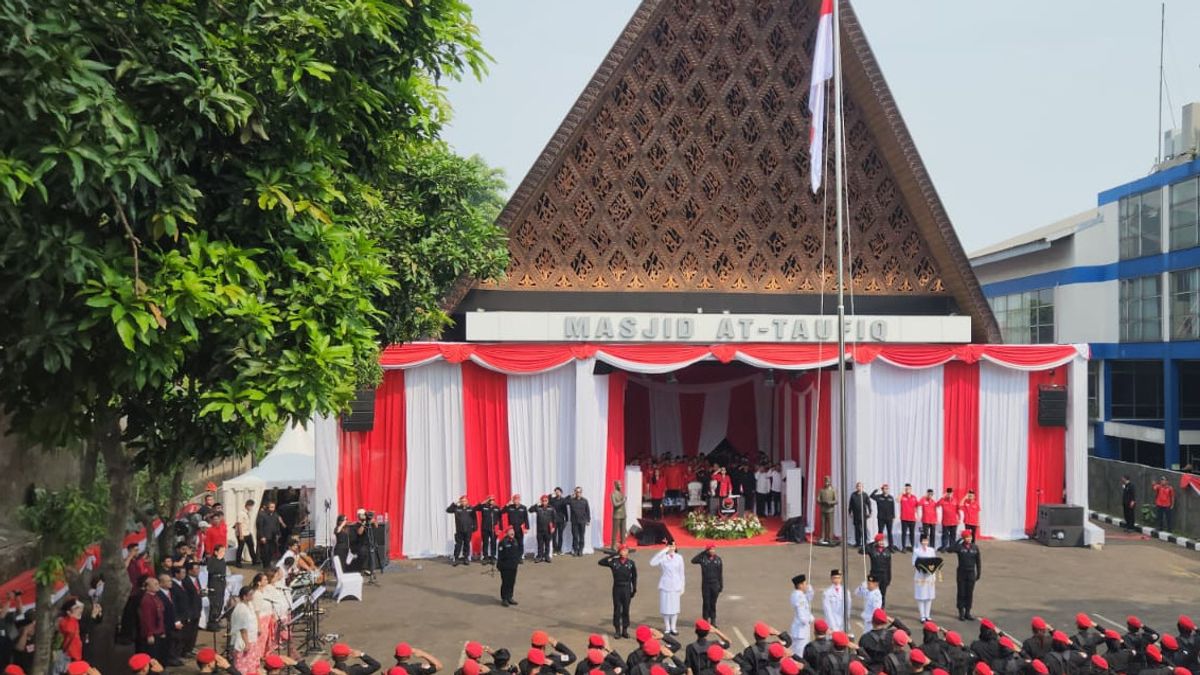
[[349, 584], [693, 498]]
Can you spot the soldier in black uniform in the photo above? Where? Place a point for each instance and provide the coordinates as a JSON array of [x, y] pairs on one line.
[[1087, 639], [1189, 641], [896, 662], [1007, 662], [1119, 656], [1128, 501], [881, 564], [558, 656], [517, 517], [817, 648], [934, 646], [860, 511], [464, 527], [987, 647], [696, 654], [712, 580], [959, 657], [507, 559], [1138, 638], [489, 522], [217, 570], [885, 515], [341, 652], [561, 515], [970, 569], [1154, 662], [840, 658], [544, 516], [580, 515], [756, 659], [1062, 660], [1036, 646], [624, 576]]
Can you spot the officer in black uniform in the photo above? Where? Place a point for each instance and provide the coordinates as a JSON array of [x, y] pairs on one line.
[[959, 657], [987, 647], [464, 526], [696, 654], [517, 517], [489, 522], [885, 515], [860, 511], [934, 646], [820, 646], [580, 515], [545, 517], [561, 515], [217, 570], [1037, 645], [507, 558], [881, 564], [970, 569], [712, 580], [624, 575], [1138, 638]]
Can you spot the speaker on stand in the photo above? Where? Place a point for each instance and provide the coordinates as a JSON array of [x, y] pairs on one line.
[[1059, 525], [362, 412], [1052, 405]]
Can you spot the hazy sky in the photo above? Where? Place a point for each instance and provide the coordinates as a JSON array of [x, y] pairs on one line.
[[1022, 110]]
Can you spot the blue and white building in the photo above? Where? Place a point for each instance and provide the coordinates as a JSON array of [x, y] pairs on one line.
[[1123, 277]]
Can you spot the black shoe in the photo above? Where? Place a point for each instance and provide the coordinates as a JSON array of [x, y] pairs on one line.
[[970, 617], [503, 603], [513, 602]]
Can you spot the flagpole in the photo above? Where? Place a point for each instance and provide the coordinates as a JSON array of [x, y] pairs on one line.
[[838, 180]]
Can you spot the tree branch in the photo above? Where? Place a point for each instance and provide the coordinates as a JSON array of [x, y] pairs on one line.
[[134, 242]]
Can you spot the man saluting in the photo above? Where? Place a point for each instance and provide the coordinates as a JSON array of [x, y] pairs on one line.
[[624, 575]]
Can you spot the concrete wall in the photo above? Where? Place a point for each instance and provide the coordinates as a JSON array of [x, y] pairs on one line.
[[1087, 312], [1104, 493]]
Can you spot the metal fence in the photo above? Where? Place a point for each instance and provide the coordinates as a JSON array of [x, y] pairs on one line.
[[1104, 494]]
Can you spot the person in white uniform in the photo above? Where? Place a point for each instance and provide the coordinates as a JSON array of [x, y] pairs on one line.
[[802, 616], [924, 584], [670, 585], [872, 599], [832, 602]]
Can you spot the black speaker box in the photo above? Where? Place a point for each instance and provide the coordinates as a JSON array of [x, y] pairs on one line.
[[792, 530], [362, 412], [1060, 515], [652, 532], [1059, 536], [1052, 406]]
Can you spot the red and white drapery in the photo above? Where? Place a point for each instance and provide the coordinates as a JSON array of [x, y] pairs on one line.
[[479, 419]]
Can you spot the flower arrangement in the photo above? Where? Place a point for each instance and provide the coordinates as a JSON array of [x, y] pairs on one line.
[[704, 526]]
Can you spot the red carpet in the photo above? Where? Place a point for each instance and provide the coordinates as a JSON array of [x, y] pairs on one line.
[[684, 539]]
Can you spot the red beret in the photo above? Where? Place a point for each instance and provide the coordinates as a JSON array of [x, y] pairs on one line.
[[403, 650], [987, 623], [918, 657], [595, 671], [273, 662], [776, 651], [1039, 623], [821, 626], [1154, 653], [473, 649], [1170, 642], [1060, 637], [857, 668], [900, 638], [1182, 671], [537, 657], [136, 662], [724, 669], [940, 671], [789, 667], [879, 616], [1110, 634], [539, 638], [341, 650], [13, 669], [1099, 662], [1185, 622], [320, 667], [595, 640], [206, 656], [929, 627], [595, 657], [1008, 644], [761, 630], [954, 639], [840, 639], [397, 670], [643, 633], [81, 667], [1039, 667], [982, 668], [657, 670], [701, 624], [1083, 620], [1133, 622], [879, 536], [715, 652], [469, 667], [651, 647]]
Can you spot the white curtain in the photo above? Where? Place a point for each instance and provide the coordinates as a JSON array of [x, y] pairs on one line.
[[714, 423], [783, 436], [835, 460], [764, 407], [666, 435], [1003, 450], [899, 431], [436, 465], [591, 447], [324, 508], [541, 435]]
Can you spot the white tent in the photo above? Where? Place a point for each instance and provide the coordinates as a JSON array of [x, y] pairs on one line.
[[290, 464]]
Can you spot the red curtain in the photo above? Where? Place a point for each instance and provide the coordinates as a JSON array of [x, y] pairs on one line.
[[614, 467], [1047, 452], [637, 433], [374, 464], [742, 431], [824, 448], [960, 426], [485, 436]]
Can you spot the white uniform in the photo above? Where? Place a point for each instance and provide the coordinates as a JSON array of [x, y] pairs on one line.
[[802, 618], [924, 585], [670, 584], [831, 602], [872, 600]]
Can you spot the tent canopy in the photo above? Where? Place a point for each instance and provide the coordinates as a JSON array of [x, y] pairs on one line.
[[290, 464]]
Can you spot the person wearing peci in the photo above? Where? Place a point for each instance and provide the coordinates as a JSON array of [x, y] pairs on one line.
[[489, 523], [580, 515], [802, 616], [670, 585], [908, 519], [860, 511], [508, 557], [624, 578], [970, 514], [617, 499], [970, 569], [885, 514], [544, 517], [464, 526], [712, 581], [834, 602], [868, 590]]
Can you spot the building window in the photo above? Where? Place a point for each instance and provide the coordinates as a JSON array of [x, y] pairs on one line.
[[1140, 224], [1189, 455], [1189, 389], [1137, 390], [1025, 318], [1093, 390], [1185, 214], [1141, 309], [1185, 304], [1141, 452]]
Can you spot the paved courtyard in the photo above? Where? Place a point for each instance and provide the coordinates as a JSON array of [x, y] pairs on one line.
[[436, 607]]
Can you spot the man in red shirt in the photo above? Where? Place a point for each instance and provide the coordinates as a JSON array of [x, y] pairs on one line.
[[152, 628], [949, 519], [970, 511], [216, 533], [929, 515], [908, 518], [1164, 503]]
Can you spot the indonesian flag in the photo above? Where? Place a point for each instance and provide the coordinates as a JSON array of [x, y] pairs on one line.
[[1187, 480], [822, 72]]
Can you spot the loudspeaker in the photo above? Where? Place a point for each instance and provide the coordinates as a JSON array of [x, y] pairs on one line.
[[652, 532], [1062, 536], [379, 534], [792, 530], [362, 412], [1060, 515], [1052, 406]]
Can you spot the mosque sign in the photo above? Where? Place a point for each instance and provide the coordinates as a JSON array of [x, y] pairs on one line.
[[710, 328]]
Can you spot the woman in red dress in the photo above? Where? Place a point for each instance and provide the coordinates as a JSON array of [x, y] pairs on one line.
[[68, 631]]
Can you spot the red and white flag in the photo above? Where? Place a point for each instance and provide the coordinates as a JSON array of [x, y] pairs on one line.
[[822, 72]]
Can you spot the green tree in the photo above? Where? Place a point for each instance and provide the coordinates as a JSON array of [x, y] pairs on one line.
[[207, 221]]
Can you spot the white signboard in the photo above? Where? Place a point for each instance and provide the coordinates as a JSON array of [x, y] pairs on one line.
[[709, 328]]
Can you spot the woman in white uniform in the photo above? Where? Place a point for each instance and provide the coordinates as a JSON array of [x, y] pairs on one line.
[[924, 585], [670, 585]]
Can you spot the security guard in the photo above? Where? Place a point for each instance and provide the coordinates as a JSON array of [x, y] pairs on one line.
[[465, 524], [545, 518], [712, 580], [489, 522], [970, 569], [624, 577]]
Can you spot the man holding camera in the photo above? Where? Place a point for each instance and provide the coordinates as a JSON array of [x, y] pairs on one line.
[[364, 544]]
